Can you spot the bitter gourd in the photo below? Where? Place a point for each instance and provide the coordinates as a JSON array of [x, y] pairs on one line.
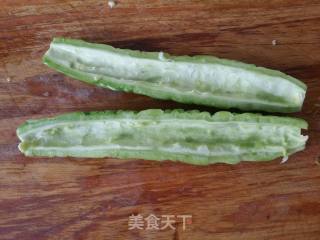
[[202, 80], [188, 136]]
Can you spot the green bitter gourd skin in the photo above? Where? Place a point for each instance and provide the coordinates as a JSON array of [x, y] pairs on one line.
[[188, 136], [204, 80]]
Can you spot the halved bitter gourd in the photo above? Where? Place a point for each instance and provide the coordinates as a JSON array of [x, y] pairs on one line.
[[202, 80], [192, 136]]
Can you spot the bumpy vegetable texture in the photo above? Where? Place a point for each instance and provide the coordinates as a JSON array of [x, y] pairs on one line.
[[202, 80], [193, 137]]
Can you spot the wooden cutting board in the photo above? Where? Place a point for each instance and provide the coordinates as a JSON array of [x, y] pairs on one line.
[[65, 198]]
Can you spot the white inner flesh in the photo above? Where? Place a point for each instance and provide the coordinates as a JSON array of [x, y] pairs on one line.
[[104, 129], [209, 78]]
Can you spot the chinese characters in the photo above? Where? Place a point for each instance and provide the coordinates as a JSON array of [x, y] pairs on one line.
[[153, 222]]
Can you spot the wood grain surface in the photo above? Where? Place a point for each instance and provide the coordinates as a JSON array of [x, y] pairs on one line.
[[65, 198]]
